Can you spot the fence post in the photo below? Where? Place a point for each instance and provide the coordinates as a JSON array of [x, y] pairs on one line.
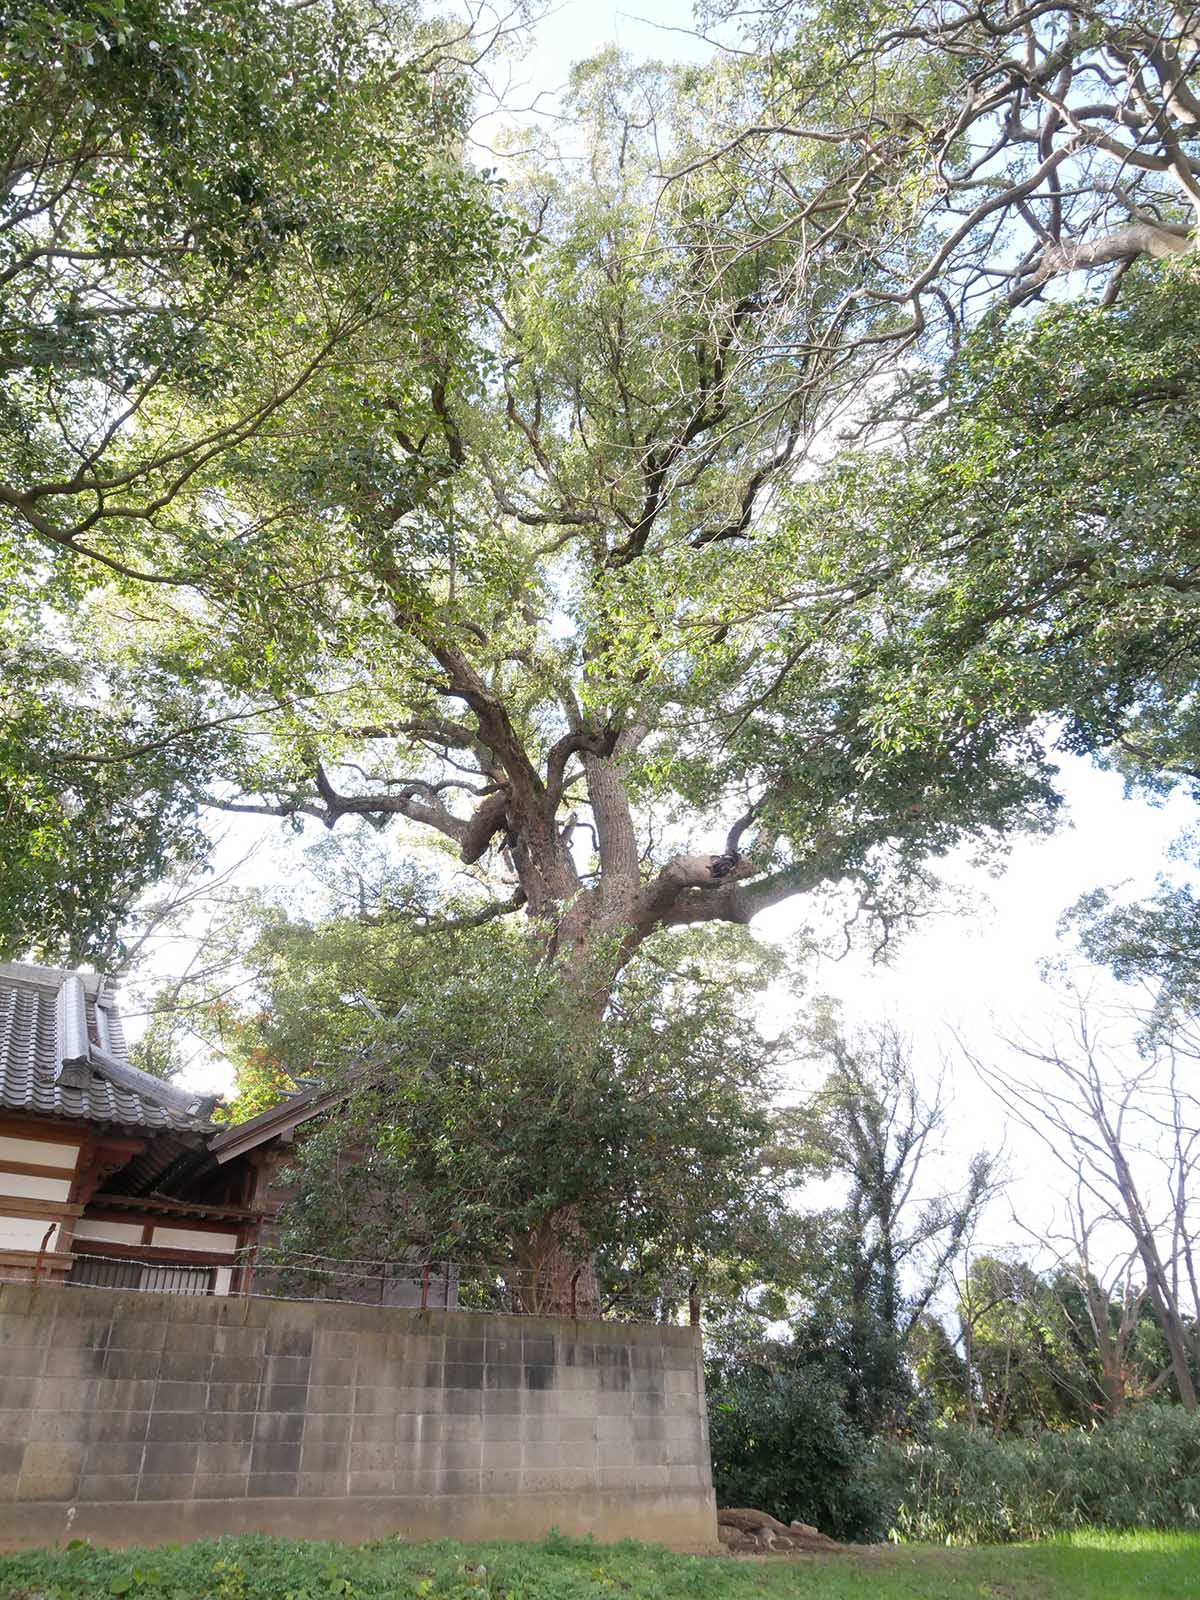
[[694, 1304], [574, 1283], [38, 1264], [425, 1287]]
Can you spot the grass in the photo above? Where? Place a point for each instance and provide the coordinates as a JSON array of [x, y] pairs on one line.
[[1085, 1566]]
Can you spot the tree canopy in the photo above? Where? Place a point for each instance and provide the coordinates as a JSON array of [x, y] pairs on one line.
[[209, 217], [484, 1107], [544, 562]]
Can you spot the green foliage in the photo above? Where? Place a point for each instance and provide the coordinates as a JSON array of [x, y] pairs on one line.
[[782, 1441], [84, 835], [416, 555], [200, 207], [790, 1423], [961, 1486], [490, 1101], [877, 1259], [1153, 942], [1034, 1357], [197, 200], [938, 1370], [565, 522], [1051, 509], [1026, 1367]]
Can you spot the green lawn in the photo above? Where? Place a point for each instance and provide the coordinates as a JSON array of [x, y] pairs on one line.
[[1082, 1567]]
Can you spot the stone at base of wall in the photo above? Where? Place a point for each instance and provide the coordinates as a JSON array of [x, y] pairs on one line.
[[673, 1520]]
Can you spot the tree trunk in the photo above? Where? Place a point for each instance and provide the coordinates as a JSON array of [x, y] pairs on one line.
[[557, 1273], [1158, 1284]]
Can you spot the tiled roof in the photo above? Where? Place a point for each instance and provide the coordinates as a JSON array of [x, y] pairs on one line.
[[278, 1121], [62, 1054]]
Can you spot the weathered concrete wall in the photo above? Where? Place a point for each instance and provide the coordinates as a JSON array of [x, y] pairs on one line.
[[139, 1418]]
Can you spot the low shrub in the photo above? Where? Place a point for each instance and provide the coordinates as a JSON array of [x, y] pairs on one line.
[[1142, 1471], [782, 1443]]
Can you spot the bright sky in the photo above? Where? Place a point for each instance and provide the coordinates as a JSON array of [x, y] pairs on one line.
[[960, 970], [531, 79], [973, 976], [575, 29]]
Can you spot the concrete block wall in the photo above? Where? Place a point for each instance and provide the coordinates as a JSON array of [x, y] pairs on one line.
[[134, 1418]]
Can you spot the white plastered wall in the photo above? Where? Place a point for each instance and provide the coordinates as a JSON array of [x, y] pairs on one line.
[[26, 1233], [23, 1186], [114, 1232], [38, 1152], [196, 1239]]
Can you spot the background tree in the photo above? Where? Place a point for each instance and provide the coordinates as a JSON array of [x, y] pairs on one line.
[[782, 1441], [1151, 943], [887, 1246], [1023, 1364], [1127, 1129], [1108, 1312], [940, 1371], [1049, 1348]]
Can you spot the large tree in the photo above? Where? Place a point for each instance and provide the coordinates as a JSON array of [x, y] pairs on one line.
[[584, 653], [886, 1249], [569, 604], [971, 150], [1126, 1126], [547, 608], [483, 1124]]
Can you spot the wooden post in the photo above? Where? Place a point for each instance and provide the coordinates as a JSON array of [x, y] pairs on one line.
[[41, 1255]]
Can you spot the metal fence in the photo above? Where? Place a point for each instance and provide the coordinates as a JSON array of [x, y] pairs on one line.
[[413, 1283]]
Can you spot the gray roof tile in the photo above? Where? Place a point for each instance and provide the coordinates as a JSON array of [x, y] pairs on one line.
[[31, 1057]]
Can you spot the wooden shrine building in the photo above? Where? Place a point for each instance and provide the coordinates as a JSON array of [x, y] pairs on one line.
[[109, 1174]]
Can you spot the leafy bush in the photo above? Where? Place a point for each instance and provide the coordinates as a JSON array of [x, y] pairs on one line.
[[782, 1442], [1142, 1471]]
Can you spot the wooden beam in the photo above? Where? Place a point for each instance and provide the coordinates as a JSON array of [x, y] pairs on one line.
[[52, 1260], [100, 1158], [64, 1130], [155, 1255], [12, 1205], [35, 1169], [184, 1210]]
